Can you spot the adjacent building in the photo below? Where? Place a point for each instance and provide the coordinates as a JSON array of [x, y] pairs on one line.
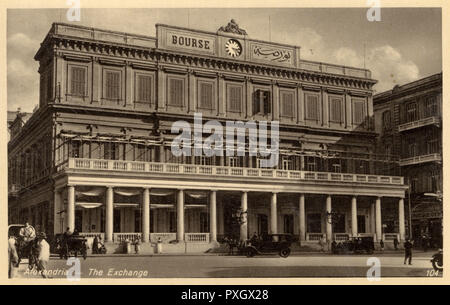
[[96, 156], [409, 121]]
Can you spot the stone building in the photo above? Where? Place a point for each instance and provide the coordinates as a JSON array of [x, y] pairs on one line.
[[409, 121], [96, 156]]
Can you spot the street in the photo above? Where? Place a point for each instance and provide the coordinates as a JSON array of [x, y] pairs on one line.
[[224, 266]]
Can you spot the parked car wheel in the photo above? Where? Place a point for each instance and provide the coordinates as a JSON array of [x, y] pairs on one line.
[[285, 252], [437, 264]]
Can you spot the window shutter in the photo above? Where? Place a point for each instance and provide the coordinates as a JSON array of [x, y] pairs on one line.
[[144, 86], [112, 85], [335, 110], [176, 92], [235, 98], [312, 112], [287, 104], [206, 95], [358, 112]]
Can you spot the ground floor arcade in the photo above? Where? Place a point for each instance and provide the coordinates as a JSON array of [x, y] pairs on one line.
[[208, 215]]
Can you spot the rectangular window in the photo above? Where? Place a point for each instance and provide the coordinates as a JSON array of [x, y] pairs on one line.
[[204, 222], [261, 102], [111, 151], [287, 104], [288, 223], [386, 120], [336, 110], [206, 95], [287, 164], [311, 164], [144, 83], [431, 106], [112, 86], [314, 223], [234, 98], [411, 112], [176, 92], [359, 112], [234, 162], [78, 81], [172, 222], [312, 107], [75, 149]]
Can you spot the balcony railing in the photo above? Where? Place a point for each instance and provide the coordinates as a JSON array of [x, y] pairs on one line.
[[419, 123], [421, 159], [196, 237], [314, 236], [208, 170]]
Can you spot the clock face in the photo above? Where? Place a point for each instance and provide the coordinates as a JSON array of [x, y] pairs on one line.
[[233, 48]]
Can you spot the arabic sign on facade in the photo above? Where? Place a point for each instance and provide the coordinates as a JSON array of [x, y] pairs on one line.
[[271, 53]]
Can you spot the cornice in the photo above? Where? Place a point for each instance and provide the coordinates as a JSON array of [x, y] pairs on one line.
[[62, 45]]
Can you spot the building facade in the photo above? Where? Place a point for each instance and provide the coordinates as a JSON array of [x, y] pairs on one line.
[[409, 121], [96, 156]]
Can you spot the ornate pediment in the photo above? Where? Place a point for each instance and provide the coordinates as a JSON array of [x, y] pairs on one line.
[[232, 27]]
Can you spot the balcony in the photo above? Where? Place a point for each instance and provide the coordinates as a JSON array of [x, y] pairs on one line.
[[222, 171], [421, 159], [434, 120]]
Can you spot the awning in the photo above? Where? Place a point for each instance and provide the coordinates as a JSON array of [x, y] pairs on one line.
[[95, 191], [88, 205], [197, 194], [127, 191]]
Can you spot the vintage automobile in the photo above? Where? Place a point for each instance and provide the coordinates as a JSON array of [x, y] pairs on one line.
[[269, 243], [356, 245], [72, 245], [437, 260]]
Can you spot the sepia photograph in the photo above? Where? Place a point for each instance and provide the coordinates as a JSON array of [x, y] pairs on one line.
[[224, 142]]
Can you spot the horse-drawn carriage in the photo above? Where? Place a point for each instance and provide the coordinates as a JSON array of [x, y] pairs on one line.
[[71, 245], [26, 246]]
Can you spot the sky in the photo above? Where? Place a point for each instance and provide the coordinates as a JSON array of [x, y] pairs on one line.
[[404, 46]]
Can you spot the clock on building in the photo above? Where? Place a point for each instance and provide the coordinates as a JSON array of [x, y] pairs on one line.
[[233, 48]]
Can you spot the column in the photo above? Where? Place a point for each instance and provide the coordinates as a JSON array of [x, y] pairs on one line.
[[180, 215], [244, 235], [213, 216], [372, 218], [273, 214], [401, 218], [329, 228], [220, 229], [56, 212], [109, 226], [354, 217], [162, 153], [378, 230], [145, 215], [302, 217], [71, 207]]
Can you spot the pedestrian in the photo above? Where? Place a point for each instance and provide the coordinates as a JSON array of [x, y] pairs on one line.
[[95, 245], [44, 254], [425, 243], [137, 245], [322, 243], [12, 257], [396, 244], [382, 245], [408, 252]]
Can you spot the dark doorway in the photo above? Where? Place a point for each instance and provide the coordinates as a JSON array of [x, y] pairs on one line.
[[288, 221], [116, 226], [263, 224], [231, 208], [339, 225], [79, 220], [361, 224]]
